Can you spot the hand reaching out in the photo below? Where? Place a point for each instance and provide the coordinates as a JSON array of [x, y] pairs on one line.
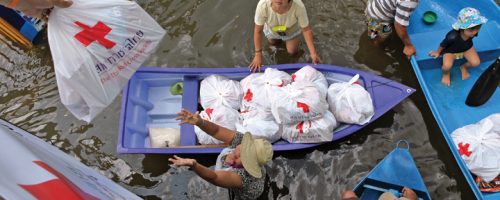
[[187, 117], [178, 161]]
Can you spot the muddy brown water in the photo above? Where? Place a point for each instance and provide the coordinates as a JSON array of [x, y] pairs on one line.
[[218, 33]]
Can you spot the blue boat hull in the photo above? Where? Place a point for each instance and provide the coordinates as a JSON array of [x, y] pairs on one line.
[[147, 101], [395, 171], [448, 103]]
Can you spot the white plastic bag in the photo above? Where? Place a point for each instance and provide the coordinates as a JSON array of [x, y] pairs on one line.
[[479, 146], [260, 128], [217, 90], [296, 102], [222, 116], [350, 102], [308, 73], [259, 88], [311, 131], [96, 47], [164, 137]]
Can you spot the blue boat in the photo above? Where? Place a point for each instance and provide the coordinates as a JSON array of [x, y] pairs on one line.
[[448, 103], [19, 27], [148, 102], [395, 171]]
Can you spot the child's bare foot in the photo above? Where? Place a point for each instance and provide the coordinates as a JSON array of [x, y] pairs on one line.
[[446, 79], [409, 193], [465, 73]]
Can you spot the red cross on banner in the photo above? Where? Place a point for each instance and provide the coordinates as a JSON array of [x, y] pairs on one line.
[[96, 33], [59, 188]]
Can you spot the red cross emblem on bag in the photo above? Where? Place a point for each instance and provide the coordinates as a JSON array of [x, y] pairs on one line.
[[96, 33], [464, 149], [305, 107]]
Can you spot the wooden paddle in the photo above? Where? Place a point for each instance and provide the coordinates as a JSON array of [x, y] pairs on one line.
[[485, 85]]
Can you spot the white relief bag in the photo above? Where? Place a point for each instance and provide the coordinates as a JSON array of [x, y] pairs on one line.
[[311, 131], [308, 73], [223, 116], [479, 146], [96, 47], [350, 102], [217, 90]]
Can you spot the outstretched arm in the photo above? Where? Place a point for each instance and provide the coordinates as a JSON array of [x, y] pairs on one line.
[[218, 132], [409, 49], [308, 36], [226, 179]]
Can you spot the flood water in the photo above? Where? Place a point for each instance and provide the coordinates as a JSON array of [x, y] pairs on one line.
[[219, 33]]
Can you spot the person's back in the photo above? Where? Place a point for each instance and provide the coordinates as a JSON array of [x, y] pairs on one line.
[[388, 11]]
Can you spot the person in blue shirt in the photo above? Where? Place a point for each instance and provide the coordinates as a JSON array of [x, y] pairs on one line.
[[458, 43]]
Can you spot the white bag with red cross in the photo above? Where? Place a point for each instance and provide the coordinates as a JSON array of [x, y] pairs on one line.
[[350, 102], [217, 90], [311, 131], [222, 116], [260, 128], [308, 73], [479, 146], [259, 88], [298, 101], [96, 47]]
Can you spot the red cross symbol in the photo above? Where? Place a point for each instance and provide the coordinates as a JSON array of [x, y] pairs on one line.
[[304, 106], [96, 33], [59, 188], [300, 127], [209, 112], [464, 149], [248, 96], [293, 77]]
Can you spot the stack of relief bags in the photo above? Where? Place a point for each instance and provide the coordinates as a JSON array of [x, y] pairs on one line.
[[299, 108]]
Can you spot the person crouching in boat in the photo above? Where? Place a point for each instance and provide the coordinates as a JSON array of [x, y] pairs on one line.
[[282, 20], [240, 167], [458, 43]]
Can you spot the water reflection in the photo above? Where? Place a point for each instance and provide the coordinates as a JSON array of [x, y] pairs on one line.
[[218, 33]]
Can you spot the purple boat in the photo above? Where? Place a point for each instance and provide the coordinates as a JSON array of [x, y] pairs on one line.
[[148, 102]]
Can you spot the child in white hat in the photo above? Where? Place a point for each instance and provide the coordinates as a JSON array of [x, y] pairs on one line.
[[458, 43]]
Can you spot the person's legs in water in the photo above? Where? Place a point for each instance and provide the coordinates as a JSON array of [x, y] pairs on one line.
[[292, 46], [472, 61], [448, 59], [378, 32]]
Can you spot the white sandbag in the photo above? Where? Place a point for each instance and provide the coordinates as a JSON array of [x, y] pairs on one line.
[[96, 47], [479, 146], [298, 101], [350, 102], [164, 137], [311, 131], [259, 128], [259, 88], [217, 90], [309, 73], [222, 116]]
